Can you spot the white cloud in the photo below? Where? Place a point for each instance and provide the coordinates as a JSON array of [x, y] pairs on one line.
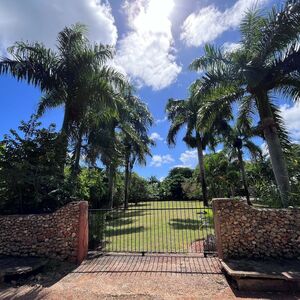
[[146, 52], [159, 160], [189, 158], [156, 136], [291, 116], [264, 148], [209, 22], [3, 51], [41, 20], [158, 121], [231, 47]]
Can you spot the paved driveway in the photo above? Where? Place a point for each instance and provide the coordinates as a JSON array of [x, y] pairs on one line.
[[136, 277]]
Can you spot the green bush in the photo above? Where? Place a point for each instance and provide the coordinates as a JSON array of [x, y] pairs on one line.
[[31, 179]]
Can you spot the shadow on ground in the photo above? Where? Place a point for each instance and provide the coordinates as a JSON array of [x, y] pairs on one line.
[[133, 264], [29, 286], [45, 276], [136, 277]]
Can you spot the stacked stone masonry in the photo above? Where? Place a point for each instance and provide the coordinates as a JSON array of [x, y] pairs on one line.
[[61, 235], [243, 231]]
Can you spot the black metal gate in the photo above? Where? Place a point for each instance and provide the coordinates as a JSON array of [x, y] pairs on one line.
[[175, 227]]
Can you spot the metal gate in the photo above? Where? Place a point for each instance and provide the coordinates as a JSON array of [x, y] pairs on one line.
[[177, 227]]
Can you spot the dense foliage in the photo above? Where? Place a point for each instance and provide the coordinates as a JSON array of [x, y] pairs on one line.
[[105, 129], [104, 124], [30, 178], [171, 187], [265, 64]]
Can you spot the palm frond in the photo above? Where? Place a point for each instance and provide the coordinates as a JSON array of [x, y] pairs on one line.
[[281, 28], [212, 59], [254, 150], [33, 63], [51, 99], [72, 39], [251, 29], [175, 108], [289, 86], [174, 129], [246, 111], [217, 105], [286, 62]]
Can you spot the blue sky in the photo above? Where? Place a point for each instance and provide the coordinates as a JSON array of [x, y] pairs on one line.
[[155, 42]]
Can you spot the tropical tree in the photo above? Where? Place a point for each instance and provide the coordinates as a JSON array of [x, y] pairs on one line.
[[221, 174], [185, 113], [268, 61], [236, 138], [30, 178], [153, 192], [74, 75], [104, 144], [138, 189], [172, 184], [135, 122], [120, 138]]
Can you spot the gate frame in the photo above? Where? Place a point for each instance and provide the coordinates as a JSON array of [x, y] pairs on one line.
[[209, 228]]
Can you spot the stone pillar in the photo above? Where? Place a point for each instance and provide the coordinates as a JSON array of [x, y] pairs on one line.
[[217, 225], [83, 234]]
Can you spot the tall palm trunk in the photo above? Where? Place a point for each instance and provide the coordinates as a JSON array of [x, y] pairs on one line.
[[276, 154], [201, 168], [242, 167], [77, 152], [111, 175], [131, 164], [63, 142], [126, 191]]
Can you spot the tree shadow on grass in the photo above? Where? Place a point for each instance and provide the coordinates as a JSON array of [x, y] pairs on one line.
[[122, 231], [114, 223], [117, 222], [185, 224], [121, 218], [133, 213], [139, 204], [127, 213]]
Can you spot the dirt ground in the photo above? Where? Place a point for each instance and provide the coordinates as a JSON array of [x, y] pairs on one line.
[[134, 277]]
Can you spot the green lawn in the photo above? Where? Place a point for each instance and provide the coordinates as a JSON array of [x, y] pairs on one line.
[[156, 226]]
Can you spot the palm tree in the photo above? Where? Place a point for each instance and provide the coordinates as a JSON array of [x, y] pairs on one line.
[[75, 75], [268, 61], [135, 121], [120, 137], [221, 175], [104, 144], [236, 138], [185, 112]]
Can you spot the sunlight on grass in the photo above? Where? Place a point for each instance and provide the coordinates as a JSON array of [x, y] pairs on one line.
[[166, 226]]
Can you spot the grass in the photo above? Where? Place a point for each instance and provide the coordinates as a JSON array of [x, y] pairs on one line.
[[164, 226]]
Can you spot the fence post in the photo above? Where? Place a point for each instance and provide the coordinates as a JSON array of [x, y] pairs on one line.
[[83, 235], [217, 227]]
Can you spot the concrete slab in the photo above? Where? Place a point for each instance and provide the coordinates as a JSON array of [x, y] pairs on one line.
[[17, 266], [264, 275]]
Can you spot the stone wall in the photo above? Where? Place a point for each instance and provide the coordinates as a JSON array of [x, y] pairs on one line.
[[244, 231], [62, 234]]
